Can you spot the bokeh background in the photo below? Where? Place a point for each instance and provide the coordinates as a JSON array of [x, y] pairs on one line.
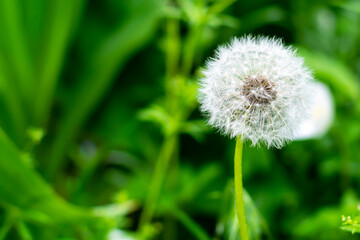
[[101, 136]]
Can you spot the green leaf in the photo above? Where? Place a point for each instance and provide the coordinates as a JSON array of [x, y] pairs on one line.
[[332, 72], [227, 226], [190, 224], [12, 117], [263, 16], [60, 18], [16, 47], [353, 6], [324, 223], [98, 75], [22, 188], [197, 129], [157, 114]]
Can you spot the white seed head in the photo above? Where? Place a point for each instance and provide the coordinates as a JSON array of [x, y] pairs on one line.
[[257, 88]]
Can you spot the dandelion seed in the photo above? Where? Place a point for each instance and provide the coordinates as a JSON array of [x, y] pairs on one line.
[[256, 88]]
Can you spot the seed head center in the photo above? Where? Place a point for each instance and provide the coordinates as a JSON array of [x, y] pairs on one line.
[[258, 90]]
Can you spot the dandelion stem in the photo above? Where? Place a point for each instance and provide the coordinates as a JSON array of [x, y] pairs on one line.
[[239, 199]]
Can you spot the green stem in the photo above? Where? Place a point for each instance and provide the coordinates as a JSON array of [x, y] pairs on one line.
[[161, 168], [191, 225], [191, 43], [239, 199], [5, 228], [23, 231], [85, 175]]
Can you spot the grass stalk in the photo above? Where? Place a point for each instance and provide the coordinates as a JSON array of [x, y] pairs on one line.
[[191, 225], [156, 183]]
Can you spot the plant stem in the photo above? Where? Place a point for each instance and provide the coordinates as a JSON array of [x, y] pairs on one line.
[[85, 174], [7, 225], [161, 168], [190, 224], [239, 199], [23, 231], [190, 48]]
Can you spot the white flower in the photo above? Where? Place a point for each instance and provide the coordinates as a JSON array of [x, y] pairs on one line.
[[322, 113], [257, 88], [116, 234]]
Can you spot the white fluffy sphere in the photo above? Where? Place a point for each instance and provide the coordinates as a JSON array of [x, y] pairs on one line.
[[257, 88]]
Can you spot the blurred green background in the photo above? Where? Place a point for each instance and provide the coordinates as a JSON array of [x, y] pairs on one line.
[[101, 136]]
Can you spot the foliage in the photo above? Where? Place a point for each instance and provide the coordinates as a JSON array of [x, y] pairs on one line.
[[100, 136]]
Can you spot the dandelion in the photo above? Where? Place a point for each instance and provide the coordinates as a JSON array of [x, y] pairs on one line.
[[322, 113], [255, 89]]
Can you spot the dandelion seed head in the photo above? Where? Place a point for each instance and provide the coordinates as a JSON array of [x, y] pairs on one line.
[[257, 88]]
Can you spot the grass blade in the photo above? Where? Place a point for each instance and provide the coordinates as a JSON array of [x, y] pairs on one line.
[[99, 75], [61, 17], [24, 189]]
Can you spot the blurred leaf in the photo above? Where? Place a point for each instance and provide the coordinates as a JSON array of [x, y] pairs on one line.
[[227, 225], [22, 188], [263, 16], [220, 6], [195, 183], [224, 20], [158, 115], [12, 117], [197, 129], [61, 16], [329, 167], [326, 219], [193, 188], [191, 225], [15, 46], [324, 223], [34, 12], [332, 72], [351, 5], [98, 76]]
